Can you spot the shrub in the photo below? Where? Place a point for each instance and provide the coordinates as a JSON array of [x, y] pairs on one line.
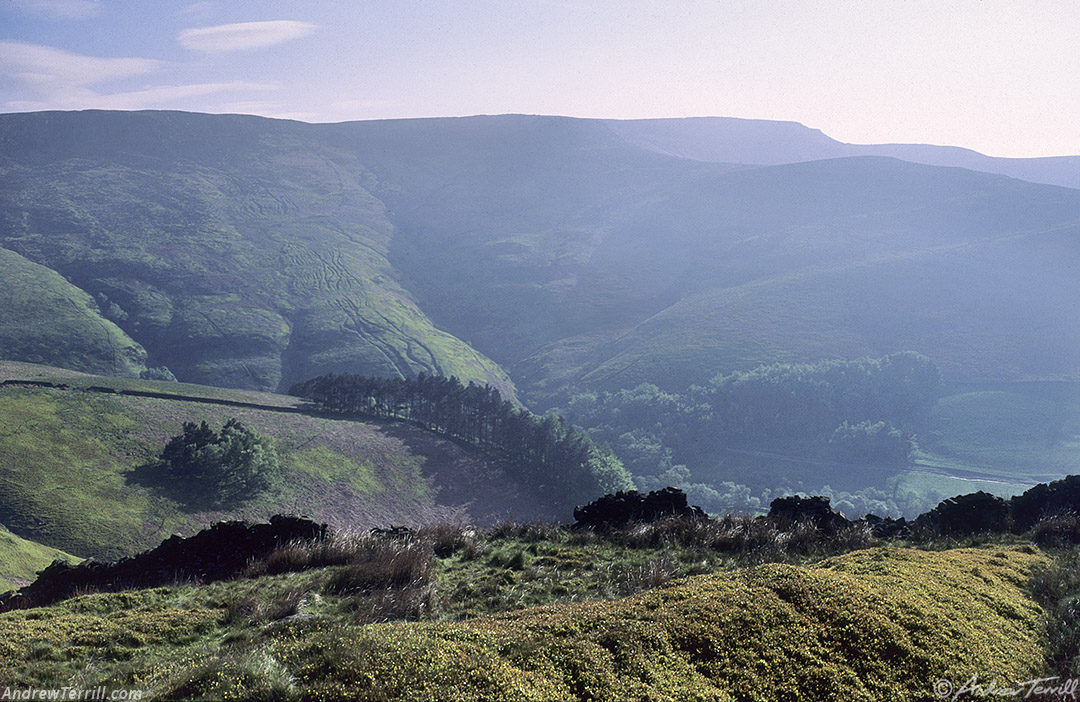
[[233, 463], [158, 373]]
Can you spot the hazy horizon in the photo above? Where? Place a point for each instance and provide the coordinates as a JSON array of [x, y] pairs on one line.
[[989, 76]]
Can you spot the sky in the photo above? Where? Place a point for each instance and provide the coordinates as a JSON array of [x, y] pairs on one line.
[[998, 76]]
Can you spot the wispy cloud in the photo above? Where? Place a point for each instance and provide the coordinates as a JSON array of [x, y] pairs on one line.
[[35, 64], [166, 94], [157, 97], [244, 35], [52, 79], [64, 9]]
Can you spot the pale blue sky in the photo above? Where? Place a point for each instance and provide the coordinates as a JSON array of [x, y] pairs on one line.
[[1001, 77]]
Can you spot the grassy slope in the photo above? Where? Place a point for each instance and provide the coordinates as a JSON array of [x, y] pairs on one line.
[[48, 320], [1001, 438], [240, 252], [885, 623], [940, 308], [1009, 429], [636, 267], [70, 473], [17, 370], [842, 259], [20, 559], [255, 252]]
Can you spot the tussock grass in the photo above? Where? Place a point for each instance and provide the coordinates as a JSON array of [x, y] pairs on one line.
[[449, 539], [236, 675], [1059, 529], [386, 565], [1056, 586], [253, 609]]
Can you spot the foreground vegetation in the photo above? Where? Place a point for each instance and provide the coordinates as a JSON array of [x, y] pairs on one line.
[[678, 609]]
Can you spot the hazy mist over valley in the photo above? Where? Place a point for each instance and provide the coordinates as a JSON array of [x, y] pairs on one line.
[[539, 350]]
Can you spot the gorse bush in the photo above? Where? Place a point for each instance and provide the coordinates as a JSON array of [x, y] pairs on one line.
[[883, 624], [231, 464]]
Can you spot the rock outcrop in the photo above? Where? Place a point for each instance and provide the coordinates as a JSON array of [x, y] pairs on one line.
[[217, 553], [628, 506], [785, 512], [968, 514]]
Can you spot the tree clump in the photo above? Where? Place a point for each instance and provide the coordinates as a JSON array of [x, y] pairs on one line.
[[231, 464]]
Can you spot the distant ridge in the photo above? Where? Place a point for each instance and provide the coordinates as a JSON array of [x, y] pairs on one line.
[[773, 143]]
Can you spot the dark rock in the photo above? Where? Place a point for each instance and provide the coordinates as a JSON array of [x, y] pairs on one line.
[[1058, 497], [218, 553], [968, 514], [628, 506], [887, 527], [785, 512]]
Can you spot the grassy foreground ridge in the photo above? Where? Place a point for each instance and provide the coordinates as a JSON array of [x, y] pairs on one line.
[[523, 612], [880, 624]]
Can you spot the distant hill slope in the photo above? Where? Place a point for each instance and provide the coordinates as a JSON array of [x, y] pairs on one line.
[[46, 319], [833, 259], [21, 559], [767, 142], [238, 251], [567, 254], [70, 462], [252, 253]]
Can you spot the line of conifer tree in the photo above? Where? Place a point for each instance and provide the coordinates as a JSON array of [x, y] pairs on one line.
[[545, 452]]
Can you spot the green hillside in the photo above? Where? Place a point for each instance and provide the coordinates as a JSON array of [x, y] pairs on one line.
[[239, 251], [832, 259], [254, 253], [73, 469], [950, 304], [20, 560], [46, 319]]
